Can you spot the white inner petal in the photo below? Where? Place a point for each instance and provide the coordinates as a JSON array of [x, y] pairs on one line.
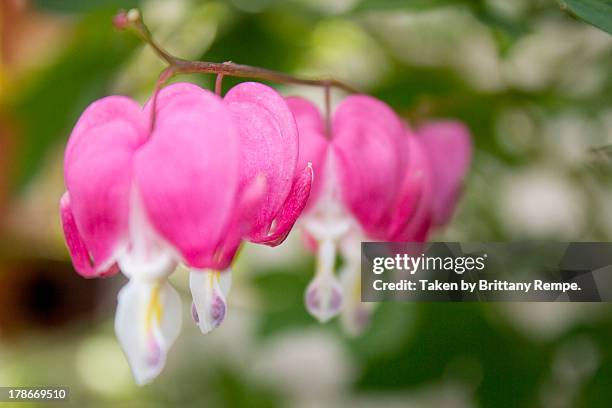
[[147, 322], [329, 219], [147, 256], [209, 289], [355, 316], [329, 223]]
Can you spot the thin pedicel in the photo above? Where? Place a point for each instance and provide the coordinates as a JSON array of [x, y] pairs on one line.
[[133, 19]]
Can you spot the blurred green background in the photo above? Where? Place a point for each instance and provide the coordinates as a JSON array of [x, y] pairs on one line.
[[534, 85]]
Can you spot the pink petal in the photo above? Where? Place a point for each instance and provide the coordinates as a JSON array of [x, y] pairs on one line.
[[172, 95], [97, 172], [367, 144], [291, 210], [78, 251], [313, 143], [412, 214], [269, 145], [450, 149], [104, 111], [187, 174], [240, 223]]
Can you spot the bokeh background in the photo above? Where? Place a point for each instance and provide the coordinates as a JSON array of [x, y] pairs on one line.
[[534, 85]]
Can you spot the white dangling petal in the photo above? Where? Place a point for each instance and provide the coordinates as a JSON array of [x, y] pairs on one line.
[[148, 256], [355, 315], [328, 223], [147, 322], [159, 265], [323, 297], [209, 289]]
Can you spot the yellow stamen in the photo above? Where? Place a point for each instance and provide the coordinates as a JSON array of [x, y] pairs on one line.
[[213, 277], [155, 308]]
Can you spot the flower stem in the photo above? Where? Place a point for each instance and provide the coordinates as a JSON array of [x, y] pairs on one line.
[[327, 110], [219, 84], [134, 19], [164, 77]]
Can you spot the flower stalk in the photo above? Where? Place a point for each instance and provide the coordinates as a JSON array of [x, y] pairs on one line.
[[133, 19]]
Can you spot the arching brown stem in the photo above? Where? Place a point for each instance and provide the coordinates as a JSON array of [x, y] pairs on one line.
[[133, 19], [182, 66]]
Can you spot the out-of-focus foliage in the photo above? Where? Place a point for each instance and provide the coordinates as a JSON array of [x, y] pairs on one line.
[[71, 6], [533, 83], [52, 101]]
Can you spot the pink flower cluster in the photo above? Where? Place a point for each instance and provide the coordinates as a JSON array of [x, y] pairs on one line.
[[375, 180], [213, 172]]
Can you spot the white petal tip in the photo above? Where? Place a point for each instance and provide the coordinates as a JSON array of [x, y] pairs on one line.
[[209, 289], [357, 320], [323, 299], [147, 323], [323, 318], [215, 314], [144, 378]]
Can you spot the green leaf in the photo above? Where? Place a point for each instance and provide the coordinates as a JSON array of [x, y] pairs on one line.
[[595, 12]]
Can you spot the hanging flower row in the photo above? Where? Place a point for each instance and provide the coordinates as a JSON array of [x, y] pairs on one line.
[[191, 175]]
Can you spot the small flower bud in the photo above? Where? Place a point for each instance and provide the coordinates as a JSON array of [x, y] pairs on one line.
[[120, 20]]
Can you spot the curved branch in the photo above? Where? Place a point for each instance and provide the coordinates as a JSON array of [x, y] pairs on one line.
[[134, 20]]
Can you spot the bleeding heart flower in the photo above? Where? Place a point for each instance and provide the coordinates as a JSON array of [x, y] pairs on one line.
[[268, 142], [375, 181], [358, 170], [269, 149], [186, 192]]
